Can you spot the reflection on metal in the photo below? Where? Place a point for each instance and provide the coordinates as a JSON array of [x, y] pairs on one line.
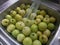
[[56, 38], [3, 41], [9, 37], [6, 5]]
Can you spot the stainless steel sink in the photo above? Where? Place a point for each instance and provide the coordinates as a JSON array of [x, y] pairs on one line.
[[52, 10]]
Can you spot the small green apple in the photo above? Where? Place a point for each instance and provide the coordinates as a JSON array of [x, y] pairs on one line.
[[15, 33], [12, 21], [33, 36], [47, 32], [10, 28], [37, 42], [42, 12], [5, 22], [43, 39], [8, 17], [39, 17], [20, 25], [42, 26], [20, 37], [47, 20], [52, 19], [34, 28], [13, 13], [27, 41], [26, 31], [51, 26], [18, 17]]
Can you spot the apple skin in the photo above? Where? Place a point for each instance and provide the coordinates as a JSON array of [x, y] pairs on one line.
[[32, 16], [18, 9], [22, 12], [10, 28], [27, 6], [52, 19], [18, 17], [20, 37], [20, 25], [37, 21], [5, 22], [13, 13], [43, 39], [26, 31], [39, 33], [42, 12], [42, 26], [15, 33], [12, 21], [37, 42], [34, 28], [27, 21], [33, 36], [46, 20], [27, 41], [47, 16], [22, 6], [51, 26], [47, 32], [38, 12], [8, 17], [39, 17]]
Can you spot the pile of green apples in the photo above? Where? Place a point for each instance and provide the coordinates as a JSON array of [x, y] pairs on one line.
[[27, 31]]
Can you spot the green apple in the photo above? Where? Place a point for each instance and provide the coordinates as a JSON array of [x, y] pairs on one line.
[[20, 25], [12, 21], [42, 12], [22, 6], [47, 20], [18, 17], [33, 36], [37, 42], [34, 28], [8, 17], [43, 39], [38, 12], [28, 11], [39, 33], [27, 41], [27, 6], [37, 21], [27, 22], [52, 19], [51, 26], [32, 22], [20, 37], [22, 12], [15, 33], [5, 22], [18, 9], [32, 16], [26, 31], [10, 28], [42, 26], [47, 32], [39, 17], [47, 16], [13, 13]]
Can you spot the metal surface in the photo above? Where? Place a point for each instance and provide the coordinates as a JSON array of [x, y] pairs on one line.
[[3, 41], [6, 5], [2, 2], [46, 6]]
